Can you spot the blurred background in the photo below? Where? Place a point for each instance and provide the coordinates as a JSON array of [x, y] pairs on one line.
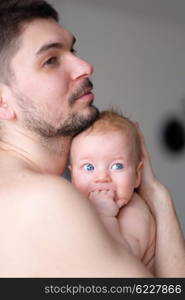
[[137, 48]]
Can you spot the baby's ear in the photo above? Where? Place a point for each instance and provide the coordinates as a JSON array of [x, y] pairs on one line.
[[138, 174]]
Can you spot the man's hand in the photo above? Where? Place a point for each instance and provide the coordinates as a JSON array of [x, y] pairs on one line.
[[151, 190]]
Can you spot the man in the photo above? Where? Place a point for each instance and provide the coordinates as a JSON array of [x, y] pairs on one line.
[[47, 228]]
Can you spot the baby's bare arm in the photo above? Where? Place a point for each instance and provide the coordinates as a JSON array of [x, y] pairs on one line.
[[104, 202], [138, 228], [107, 209]]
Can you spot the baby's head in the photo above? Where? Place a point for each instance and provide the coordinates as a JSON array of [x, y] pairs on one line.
[[107, 156]]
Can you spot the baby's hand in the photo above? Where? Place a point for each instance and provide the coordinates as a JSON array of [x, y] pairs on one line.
[[104, 202]]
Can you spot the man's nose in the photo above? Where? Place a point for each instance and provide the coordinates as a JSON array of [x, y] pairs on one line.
[[102, 177], [80, 68]]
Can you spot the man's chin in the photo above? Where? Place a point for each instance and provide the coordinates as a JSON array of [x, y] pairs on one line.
[[77, 122], [85, 119]]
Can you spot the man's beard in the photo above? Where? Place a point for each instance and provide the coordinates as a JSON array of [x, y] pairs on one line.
[[77, 123], [74, 124]]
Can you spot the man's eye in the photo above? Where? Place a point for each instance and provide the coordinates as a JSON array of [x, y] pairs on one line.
[[88, 167], [51, 61], [117, 166]]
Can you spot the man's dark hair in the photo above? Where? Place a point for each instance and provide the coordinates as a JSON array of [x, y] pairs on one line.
[[13, 15]]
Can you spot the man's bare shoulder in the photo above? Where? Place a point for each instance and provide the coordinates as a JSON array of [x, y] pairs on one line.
[[45, 186], [42, 215], [53, 196], [29, 187], [54, 232]]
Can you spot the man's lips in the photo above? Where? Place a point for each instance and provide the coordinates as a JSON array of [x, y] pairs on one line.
[[86, 92], [87, 96]]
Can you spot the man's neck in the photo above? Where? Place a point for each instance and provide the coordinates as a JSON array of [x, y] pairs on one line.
[[44, 155]]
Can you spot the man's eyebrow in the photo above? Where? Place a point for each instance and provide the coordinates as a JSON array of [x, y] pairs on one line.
[[55, 45], [48, 46]]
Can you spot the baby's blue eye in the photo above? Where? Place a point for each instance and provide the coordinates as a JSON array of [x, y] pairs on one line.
[[117, 166], [88, 167]]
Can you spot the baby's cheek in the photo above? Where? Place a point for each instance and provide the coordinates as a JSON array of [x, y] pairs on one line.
[[81, 185], [83, 190], [123, 196]]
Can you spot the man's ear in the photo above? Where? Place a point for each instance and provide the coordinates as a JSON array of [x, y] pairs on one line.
[[138, 174], [6, 112]]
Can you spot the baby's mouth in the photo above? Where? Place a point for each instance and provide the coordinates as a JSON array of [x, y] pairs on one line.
[[103, 187]]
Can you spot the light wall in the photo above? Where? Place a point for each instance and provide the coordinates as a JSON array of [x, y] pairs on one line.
[[139, 65]]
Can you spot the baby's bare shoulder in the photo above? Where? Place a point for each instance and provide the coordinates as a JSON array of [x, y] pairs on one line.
[[136, 205], [136, 218]]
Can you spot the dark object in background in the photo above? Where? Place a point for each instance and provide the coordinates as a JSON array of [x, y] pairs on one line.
[[173, 135]]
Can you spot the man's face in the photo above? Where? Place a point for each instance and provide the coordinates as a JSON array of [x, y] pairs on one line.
[[103, 162], [50, 88]]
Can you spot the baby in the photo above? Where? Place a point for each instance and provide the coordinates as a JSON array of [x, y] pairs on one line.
[[105, 165]]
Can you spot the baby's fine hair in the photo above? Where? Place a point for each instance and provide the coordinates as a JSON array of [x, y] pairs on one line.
[[111, 120]]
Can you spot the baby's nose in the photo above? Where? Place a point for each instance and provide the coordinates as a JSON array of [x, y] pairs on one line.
[[103, 176]]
